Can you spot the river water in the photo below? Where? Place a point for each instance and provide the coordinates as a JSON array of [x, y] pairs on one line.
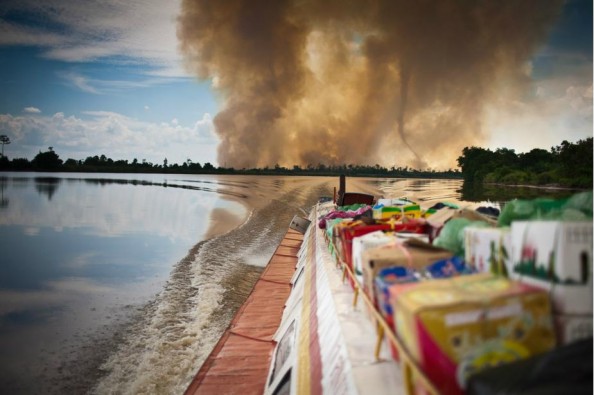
[[122, 284]]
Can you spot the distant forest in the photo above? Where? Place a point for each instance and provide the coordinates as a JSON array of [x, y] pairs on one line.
[[566, 165], [50, 161]]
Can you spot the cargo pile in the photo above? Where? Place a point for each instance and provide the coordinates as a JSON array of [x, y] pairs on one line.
[[467, 292]]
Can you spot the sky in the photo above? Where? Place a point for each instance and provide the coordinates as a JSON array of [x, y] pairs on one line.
[[297, 83]]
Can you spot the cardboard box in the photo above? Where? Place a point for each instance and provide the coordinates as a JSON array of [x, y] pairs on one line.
[[403, 236], [556, 256], [488, 250], [413, 254], [367, 242], [455, 327], [398, 212], [348, 233], [394, 201], [385, 279], [442, 216], [571, 328], [451, 267], [357, 229]]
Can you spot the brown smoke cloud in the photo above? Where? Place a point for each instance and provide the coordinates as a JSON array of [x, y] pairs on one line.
[[392, 82]]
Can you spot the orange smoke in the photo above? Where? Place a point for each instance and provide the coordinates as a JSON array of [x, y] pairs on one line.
[[393, 82]]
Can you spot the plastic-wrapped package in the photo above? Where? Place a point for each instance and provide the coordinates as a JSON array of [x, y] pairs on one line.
[[576, 208], [451, 236]]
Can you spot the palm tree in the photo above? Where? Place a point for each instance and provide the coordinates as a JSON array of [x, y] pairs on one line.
[[5, 141]]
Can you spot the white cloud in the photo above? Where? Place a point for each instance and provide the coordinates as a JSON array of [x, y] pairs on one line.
[[32, 110], [101, 86], [560, 110], [112, 134], [78, 31], [79, 82], [580, 99], [205, 127]]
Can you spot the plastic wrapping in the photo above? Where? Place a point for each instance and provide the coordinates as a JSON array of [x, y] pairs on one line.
[[576, 208], [451, 236]]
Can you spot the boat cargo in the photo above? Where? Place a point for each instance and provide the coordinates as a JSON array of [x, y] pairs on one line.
[[355, 301]]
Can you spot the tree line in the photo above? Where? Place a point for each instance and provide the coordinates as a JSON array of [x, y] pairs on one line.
[[51, 161], [567, 165]]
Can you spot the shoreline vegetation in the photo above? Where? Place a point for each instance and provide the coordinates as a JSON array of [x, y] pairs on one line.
[[566, 166]]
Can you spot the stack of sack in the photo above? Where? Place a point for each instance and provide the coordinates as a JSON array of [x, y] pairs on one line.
[[467, 290]]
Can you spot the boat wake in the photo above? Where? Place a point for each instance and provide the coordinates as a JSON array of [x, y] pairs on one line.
[[165, 345]]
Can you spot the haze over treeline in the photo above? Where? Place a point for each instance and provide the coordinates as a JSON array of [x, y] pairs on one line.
[[346, 81]]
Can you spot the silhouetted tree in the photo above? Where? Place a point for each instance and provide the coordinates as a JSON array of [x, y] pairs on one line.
[[5, 140], [48, 160]]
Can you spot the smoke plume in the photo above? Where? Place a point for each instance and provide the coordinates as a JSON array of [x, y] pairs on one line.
[[390, 82]]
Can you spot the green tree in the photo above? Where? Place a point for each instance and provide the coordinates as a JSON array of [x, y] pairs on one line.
[[537, 160], [475, 163], [72, 163], [48, 160], [575, 162]]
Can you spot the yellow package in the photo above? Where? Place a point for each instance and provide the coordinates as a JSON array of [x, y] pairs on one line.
[[410, 211], [456, 327]]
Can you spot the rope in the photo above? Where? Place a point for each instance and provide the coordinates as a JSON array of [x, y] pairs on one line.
[[251, 338], [275, 282]]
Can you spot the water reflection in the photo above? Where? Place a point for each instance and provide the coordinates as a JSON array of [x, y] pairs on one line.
[[119, 210], [186, 184], [500, 193], [424, 191], [3, 201], [47, 185], [428, 192], [80, 255]]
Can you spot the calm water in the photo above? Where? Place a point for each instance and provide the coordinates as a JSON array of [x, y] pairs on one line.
[[124, 283]]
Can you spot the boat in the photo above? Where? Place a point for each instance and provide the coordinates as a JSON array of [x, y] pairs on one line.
[[240, 361], [309, 327]]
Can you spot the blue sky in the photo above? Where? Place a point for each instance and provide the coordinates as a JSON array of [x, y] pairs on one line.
[[92, 78], [106, 77], [559, 105]]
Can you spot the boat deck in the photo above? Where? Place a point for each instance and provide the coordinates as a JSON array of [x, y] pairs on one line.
[[239, 362]]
